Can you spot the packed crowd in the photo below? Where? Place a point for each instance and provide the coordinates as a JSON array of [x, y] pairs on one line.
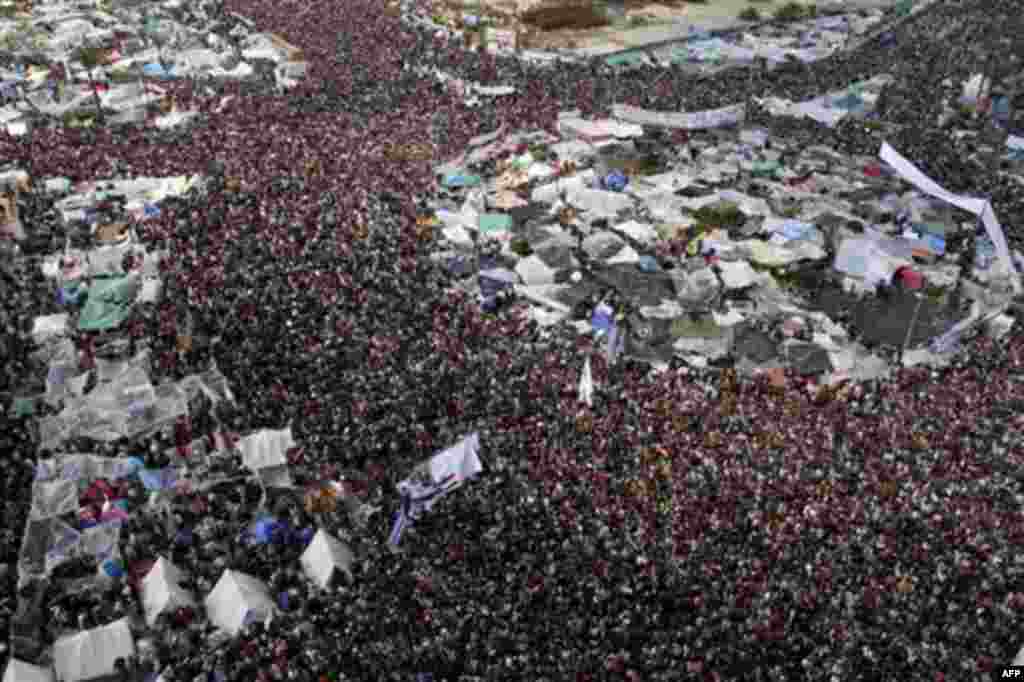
[[689, 525]]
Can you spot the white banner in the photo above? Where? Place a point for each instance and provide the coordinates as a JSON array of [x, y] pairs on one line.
[[698, 120], [978, 207]]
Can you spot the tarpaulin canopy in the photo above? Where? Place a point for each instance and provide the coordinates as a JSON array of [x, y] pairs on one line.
[[109, 303]]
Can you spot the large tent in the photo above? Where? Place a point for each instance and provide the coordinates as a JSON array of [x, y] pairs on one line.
[[91, 653], [237, 600], [162, 591], [324, 556]]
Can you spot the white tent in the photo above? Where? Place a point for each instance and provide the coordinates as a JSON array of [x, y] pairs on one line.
[[161, 591], [1017, 661], [19, 671], [266, 448], [91, 653], [237, 600], [324, 556]]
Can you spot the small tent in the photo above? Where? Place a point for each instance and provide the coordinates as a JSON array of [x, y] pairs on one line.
[[324, 556], [266, 448], [162, 591], [19, 671], [1017, 661], [92, 653], [237, 600]]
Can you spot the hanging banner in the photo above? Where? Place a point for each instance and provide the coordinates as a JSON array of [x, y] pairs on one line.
[[698, 120], [978, 207]]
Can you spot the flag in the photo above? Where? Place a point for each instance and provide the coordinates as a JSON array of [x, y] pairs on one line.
[[398, 527], [616, 344], [433, 479], [602, 320], [586, 391]]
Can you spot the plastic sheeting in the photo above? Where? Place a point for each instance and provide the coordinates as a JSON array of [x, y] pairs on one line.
[[54, 498]]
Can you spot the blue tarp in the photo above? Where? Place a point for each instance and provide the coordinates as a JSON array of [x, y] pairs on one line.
[[269, 529], [158, 479]]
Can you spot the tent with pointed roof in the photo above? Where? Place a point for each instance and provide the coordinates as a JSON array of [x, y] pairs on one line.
[[237, 600], [324, 556], [162, 591]]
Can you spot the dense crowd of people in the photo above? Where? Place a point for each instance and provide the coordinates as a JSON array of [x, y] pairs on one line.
[[692, 524]]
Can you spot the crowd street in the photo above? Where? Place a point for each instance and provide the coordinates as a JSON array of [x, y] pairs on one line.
[[265, 416]]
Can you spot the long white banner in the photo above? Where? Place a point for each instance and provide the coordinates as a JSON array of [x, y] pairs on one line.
[[697, 120], [979, 207]]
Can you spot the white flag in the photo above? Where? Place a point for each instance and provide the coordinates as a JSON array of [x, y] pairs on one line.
[[433, 479], [587, 385], [444, 472]]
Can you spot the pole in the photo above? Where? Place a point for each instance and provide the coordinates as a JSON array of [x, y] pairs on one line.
[[911, 326]]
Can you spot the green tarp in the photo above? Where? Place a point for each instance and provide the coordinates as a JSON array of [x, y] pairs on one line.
[[625, 59], [461, 180], [495, 222], [766, 168], [109, 303], [24, 407]]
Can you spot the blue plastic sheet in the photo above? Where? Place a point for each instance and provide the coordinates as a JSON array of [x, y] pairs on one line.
[[70, 294], [615, 181], [158, 479], [648, 264], [265, 530], [113, 567]]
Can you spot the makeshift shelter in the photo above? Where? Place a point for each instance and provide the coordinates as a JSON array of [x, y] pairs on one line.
[[19, 671], [92, 653], [162, 591], [324, 556], [237, 600]]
